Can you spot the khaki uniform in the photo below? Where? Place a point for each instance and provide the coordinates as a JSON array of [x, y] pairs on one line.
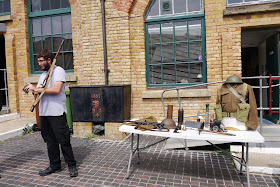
[[229, 103]]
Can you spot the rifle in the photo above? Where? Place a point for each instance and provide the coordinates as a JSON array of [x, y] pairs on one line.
[[159, 126], [47, 79]]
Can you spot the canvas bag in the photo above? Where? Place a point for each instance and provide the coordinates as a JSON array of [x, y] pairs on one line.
[[242, 108]]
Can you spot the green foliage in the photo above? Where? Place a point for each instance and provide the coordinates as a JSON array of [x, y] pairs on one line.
[[27, 130]]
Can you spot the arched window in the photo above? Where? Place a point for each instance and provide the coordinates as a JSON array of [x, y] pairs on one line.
[[49, 23], [175, 43]]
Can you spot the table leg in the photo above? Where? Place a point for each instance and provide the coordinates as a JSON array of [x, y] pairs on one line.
[[130, 158], [242, 159], [247, 164], [186, 145], [138, 154]]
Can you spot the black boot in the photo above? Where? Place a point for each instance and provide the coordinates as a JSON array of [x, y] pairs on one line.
[[49, 170]]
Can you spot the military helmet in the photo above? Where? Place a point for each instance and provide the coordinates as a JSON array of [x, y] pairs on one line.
[[234, 79]]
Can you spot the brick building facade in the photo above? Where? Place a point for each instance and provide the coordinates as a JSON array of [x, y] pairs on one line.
[[127, 50]]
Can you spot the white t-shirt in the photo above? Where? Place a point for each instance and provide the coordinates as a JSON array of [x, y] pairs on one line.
[[53, 104]]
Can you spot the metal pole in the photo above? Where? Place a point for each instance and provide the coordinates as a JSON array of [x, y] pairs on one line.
[[106, 71], [261, 105], [6, 90]]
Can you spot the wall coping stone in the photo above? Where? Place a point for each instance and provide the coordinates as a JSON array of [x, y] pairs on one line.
[[155, 94], [7, 17], [247, 9], [35, 78]]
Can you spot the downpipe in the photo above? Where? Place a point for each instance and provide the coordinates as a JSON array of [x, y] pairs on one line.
[[106, 70]]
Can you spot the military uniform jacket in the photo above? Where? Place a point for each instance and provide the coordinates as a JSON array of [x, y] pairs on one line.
[[229, 103]]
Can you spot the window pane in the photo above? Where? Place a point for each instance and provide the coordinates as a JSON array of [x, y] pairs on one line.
[[155, 74], [7, 7], [37, 46], [154, 11], [167, 32], [182, 52], [45, 5], [181, 32], [36, 65], [164, 9], [55, 4], [67, 45], [46, 26], [168, 53], [182, 73], [193, 5], [57, 39], [195, 30], [56, 24], [35, 5], [66, 22], [47, 42], [36, 27], [180, 6], [250, 0], [65, 4], [154, 33], [59, 60], [195, 51], [68, 61], [155, 54], [195, 72], [168, 74]]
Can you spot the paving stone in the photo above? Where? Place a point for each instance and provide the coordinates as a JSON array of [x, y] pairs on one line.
[[104, 163]]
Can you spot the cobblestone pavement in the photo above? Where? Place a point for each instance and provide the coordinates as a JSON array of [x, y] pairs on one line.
[[104, 163]]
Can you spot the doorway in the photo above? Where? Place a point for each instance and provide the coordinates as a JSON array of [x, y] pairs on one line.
[[3, 86], [260, 56]]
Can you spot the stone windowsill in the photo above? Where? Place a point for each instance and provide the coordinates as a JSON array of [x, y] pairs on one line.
[[35, 78], [256, 8], [6, 17], [156, 94]]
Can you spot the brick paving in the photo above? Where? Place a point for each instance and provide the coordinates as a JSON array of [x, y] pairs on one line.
[[104, 163]]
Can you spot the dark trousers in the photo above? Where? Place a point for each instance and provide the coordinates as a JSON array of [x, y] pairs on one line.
[[55, 132]]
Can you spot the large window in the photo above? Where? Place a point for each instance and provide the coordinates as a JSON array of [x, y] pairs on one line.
[[247, 2], [175, 43], [5, 7], [49, 24]]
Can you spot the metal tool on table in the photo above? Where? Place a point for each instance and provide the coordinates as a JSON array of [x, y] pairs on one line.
[[141, 125], [169, 122], [223, 133], [206, 123]]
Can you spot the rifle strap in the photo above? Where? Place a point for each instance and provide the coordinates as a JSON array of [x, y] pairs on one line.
[[234, 92]]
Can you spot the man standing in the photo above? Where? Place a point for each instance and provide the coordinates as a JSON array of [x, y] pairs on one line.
[[52, 112]]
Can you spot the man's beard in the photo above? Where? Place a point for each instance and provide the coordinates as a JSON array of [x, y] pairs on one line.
[[47, 67]]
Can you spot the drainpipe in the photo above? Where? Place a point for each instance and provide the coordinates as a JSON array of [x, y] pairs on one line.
[[106, 71]]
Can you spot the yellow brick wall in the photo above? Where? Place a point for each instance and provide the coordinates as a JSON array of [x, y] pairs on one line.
[[17, 57], [126, 51]]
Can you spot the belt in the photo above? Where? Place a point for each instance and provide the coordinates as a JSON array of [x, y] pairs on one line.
[[227, 114]]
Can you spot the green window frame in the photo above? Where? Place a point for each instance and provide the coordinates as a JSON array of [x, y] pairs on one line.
[[5, 7], [49, 22], [175, 47]]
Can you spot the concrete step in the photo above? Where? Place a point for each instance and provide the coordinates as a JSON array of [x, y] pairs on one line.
[[261, 160], [7, 117]]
